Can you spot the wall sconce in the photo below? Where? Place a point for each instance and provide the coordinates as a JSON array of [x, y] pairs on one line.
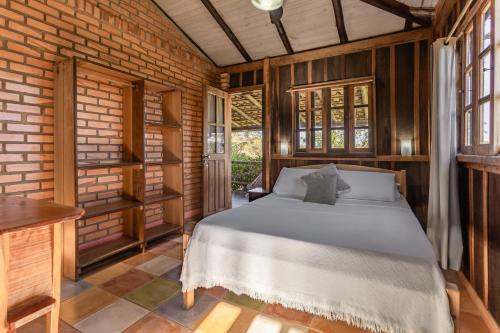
[[284, 148], [406, 147]]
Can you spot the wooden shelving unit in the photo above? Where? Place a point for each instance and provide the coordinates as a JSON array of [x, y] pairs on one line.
[[170, 197], [130, 199]]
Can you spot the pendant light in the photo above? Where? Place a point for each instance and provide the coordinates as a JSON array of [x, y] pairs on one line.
[[267, 5]]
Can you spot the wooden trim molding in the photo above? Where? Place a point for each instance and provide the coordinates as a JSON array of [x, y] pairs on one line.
[[357, 80], [339, 21], [479, 162], [380, 158]]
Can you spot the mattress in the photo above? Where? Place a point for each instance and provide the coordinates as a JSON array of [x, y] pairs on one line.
[[368, 263]]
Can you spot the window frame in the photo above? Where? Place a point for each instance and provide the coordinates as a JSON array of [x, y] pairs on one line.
[[475, 23], [349, 126]]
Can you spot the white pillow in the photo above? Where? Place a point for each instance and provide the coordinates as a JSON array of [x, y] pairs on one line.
[[289, 183], [365, 185]]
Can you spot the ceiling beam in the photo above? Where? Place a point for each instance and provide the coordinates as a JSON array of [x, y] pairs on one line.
[[399, 9], [339, 20], [244, 115], [253, 101], [275, 16], [215, 14]]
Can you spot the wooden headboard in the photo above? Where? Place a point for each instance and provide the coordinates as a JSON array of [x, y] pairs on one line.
[[400, 175]]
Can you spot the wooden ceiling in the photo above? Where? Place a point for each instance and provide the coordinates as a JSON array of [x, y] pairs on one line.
[[233, 31]]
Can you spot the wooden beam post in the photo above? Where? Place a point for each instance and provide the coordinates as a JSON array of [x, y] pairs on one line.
[[399, 9], [266, 172], [339, 21]]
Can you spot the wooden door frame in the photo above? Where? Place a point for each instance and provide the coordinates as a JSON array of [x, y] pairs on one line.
[[208, 89]]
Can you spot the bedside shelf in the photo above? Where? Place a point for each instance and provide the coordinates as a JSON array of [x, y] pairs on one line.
[[106, 164], [164, 162], [165, 196], [162, 124], [111, 207], [100, 252], [161, 231]]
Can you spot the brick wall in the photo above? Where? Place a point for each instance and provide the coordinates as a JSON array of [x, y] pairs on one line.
[[131, 35]]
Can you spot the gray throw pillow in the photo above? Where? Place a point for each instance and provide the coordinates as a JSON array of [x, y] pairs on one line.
[[331, 169], [321, 187]]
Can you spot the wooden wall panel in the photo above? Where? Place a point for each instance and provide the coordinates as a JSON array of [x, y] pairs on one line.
[[404, 92], [478, 277], [300, 73], [382, 87], [394, 86], [358, 64], [424, 94], [494, 245], [284, 105], [335, 68]]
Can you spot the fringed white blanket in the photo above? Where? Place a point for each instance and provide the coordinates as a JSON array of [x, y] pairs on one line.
[[368, 264]]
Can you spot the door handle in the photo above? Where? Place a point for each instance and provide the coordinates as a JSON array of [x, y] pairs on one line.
[[205, 156]]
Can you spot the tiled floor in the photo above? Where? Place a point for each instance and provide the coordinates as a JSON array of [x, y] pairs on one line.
[[142, 295]]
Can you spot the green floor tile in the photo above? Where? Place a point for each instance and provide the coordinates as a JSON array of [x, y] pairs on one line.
[[152, 294], [244, 300]]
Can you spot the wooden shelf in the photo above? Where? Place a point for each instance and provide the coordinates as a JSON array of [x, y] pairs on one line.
[[161, 231], [166, 195], [100, 252], [111, 207], [164, 162], [162, 125], [106, 164]]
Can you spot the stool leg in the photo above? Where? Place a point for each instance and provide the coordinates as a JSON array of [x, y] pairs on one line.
[[52, 322]]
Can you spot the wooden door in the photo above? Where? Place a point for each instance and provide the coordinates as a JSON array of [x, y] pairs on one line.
[[216, 155]]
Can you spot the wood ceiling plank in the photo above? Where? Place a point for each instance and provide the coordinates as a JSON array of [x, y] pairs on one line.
[[215, 14], [244, 115]]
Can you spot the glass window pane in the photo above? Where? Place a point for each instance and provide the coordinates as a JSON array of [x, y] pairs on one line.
[[361, 117], [212, 138], [302, 140], [302, 120], [221, 140], [337, 97], [469, 46], [220, 110], [337, 118], [485, 122], [468, 127], [361, 95], [317, 99], [318, 119], [317, 139], [361, 138], [486, 40], [301, 100], [338, 138], [468, 87], [485, 72], [211, 108]]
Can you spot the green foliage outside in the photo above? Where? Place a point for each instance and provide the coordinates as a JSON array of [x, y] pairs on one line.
[[246, 155]]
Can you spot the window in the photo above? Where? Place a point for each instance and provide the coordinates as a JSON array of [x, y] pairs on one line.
[[336, 119], [478, 83]]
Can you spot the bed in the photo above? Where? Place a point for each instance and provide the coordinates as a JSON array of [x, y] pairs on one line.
[[367, 263]]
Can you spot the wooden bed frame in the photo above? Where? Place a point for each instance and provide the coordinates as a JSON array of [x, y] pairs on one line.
[[400, 178]]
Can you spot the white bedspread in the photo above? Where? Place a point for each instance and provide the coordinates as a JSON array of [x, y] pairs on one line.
[[363, 262]]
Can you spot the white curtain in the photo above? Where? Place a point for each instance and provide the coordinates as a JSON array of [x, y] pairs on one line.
[[443, 220]]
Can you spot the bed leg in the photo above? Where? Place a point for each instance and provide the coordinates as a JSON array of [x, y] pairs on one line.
[[454, 298], [185, 241], [188, 297]]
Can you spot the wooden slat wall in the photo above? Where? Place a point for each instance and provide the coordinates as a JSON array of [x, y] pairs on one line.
[[401, 102], [479, 198]]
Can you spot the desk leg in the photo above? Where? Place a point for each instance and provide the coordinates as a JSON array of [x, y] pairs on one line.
[[4, 287], [52, 320]]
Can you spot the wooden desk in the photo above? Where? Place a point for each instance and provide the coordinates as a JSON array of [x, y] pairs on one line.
[[30, 261]]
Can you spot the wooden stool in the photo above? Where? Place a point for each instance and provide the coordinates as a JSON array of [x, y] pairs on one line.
[[30, 261]]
